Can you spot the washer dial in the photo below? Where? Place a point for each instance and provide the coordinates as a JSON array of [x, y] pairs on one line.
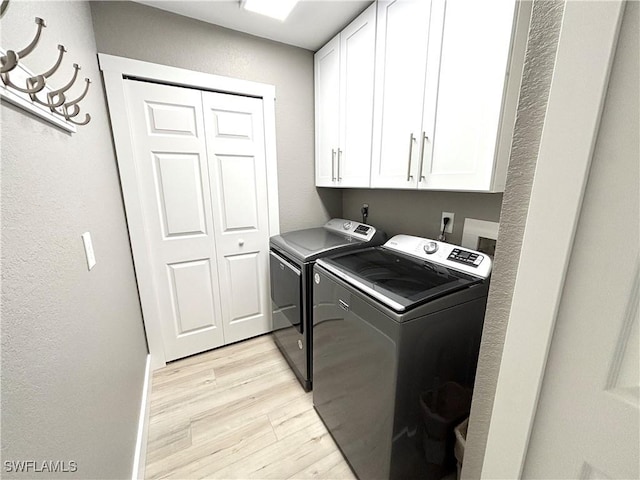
[[430, 247]]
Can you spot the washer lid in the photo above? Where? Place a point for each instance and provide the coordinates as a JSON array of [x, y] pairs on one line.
[[336, 235], [313, 243], [399, 281]]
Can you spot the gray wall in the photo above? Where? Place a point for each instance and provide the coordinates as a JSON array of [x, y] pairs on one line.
[[420, 213], [73, 347], [546, 19], [136, 31]]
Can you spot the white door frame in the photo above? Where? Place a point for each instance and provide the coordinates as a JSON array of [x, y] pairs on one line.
[[115, 70], [585, 53]]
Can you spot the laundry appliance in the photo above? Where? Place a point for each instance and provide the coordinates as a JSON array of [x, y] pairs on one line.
[[292, 256], [396, 338]]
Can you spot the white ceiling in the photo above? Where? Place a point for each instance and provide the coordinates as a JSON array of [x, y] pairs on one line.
[[310, 25]]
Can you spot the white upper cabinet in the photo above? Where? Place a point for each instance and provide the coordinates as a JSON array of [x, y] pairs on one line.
[[401, 66], [443, 103], [327, 106], [344, 73], [465, 118]]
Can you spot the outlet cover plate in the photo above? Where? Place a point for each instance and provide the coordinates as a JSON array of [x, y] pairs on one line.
[[449, 228]]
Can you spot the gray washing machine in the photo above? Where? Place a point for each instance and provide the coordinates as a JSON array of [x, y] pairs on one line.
[[292, 256], [396, 337]]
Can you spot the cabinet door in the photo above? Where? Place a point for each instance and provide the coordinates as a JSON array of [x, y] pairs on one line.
[[401, 63], [327, 102], [357, 58], [474, 59]]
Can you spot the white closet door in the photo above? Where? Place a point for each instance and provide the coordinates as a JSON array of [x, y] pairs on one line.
[[173, 187], [234, 128]]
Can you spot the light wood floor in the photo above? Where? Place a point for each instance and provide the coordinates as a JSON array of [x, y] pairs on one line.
[[237, 412]]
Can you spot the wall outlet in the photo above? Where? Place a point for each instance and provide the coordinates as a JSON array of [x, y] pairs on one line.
[[449, 228]]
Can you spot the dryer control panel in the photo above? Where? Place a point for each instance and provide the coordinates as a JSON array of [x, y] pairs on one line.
[[351, 228]]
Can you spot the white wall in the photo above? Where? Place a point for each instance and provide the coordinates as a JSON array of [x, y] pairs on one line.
[[136, 31], [597, 299], [73, 346]]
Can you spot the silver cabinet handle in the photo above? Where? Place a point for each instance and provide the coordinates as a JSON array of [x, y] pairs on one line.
[[409, 176], [339, 160], [424, 139], [333, 165]]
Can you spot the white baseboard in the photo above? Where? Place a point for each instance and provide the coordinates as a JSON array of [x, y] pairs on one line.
[[140, 456]]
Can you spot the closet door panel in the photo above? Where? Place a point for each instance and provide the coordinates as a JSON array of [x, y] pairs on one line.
[[170, 158], [236, 154]]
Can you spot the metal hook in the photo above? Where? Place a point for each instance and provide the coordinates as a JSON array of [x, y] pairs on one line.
[[29, 48], [32, 80], [37, 83], [60, 92], [3, 7], [53, 69], [87, 119], [8, 61], [74, 103]]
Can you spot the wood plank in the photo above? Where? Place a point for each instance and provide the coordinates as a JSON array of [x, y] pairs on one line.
[[276, 461], [293, 416], [168, 440], [233, 414], [333, 466], [215, 453]]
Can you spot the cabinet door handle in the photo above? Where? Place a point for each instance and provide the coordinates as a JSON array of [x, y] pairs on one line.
[[333, 165], [424, 139], [339, 160], [409, 176]]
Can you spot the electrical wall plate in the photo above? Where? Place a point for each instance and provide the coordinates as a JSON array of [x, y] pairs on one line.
[[449, 228]]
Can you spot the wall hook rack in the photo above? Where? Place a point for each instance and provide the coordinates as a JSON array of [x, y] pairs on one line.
[[31, 92]]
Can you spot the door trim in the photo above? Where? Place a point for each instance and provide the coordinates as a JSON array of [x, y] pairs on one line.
[[115, 70], [587, 44]]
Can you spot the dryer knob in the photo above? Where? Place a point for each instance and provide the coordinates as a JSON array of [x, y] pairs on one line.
[[346, 225], [430, 247]]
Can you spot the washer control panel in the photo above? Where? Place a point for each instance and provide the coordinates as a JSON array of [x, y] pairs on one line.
[[466, 257], [351, 228], [441, 253]]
